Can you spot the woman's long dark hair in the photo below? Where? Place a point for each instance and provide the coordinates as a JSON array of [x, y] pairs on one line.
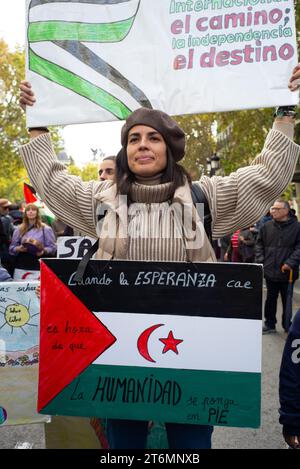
[[173, 172]]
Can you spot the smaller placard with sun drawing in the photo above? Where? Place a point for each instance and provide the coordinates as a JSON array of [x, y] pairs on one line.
[[19, 353]]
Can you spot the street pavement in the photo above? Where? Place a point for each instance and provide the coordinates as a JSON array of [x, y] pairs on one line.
[[268, 436]]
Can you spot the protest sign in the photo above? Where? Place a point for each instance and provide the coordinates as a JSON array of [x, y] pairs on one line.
[[73, 247], [171, 342], [26, 275], [99, 60], [19, 353]]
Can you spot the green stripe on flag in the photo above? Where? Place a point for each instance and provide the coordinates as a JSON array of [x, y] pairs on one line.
[[81, 86], [187, 396], [85, 32]]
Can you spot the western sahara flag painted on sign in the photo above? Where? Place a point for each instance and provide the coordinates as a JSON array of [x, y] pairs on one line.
[[179, 352]]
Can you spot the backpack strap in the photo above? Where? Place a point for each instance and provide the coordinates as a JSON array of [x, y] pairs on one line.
[[84, 262], [199, 197], [88, 255]]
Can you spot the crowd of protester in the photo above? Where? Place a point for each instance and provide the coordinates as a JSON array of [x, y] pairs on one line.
[[26, 237]]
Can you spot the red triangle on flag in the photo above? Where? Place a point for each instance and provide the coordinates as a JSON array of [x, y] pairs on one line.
[[29, 194], [71, 337]]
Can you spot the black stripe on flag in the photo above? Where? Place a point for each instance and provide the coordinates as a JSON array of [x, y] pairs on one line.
[[198, 289]]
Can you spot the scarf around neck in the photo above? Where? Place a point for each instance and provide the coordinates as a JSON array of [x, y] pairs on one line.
[[113, 243]]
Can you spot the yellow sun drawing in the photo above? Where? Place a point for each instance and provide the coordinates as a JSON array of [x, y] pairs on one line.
[[17, 316]]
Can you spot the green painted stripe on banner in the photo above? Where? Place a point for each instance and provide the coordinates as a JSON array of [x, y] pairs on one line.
[[187, 396], [79, 85], [84, 32]]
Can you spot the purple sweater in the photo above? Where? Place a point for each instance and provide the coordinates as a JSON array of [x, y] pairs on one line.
[[43, 235]]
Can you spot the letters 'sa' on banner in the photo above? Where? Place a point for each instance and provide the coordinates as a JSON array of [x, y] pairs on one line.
[[99, 60], [19, 353], [171, 342], [73, 247]]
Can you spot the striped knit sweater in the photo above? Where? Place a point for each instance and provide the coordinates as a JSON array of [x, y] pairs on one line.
[[236, 201]]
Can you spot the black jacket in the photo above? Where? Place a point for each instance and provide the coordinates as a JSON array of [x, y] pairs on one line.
[[278, 244], [289, 381], [4, 238]]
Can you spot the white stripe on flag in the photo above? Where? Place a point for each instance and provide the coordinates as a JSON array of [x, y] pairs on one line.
[[58, 56], [83, 12], [222, 344]]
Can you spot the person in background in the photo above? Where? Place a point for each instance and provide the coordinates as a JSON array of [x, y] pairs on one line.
[[289, 386], [5, 204], [31, 241], [149, 175], [224, 244], [263, 220], [107, 169], [58, 227], [6, 231], [247, 240], [278, 249], [293, 207], [16, 214], [4, 275], [241, 246], [217, 248], [233, 253]]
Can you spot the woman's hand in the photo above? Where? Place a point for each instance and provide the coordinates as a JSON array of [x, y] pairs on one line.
[[39, 246], [294, 83], [293, 441], [26, 95], [27, 98], [21, 249], [36, 243]]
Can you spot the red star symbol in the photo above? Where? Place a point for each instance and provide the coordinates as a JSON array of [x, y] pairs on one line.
[[170, 343]]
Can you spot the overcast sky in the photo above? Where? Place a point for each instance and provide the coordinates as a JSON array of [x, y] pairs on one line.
[[79, 139]]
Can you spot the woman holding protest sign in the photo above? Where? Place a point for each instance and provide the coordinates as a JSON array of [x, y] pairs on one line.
[[148, 214]]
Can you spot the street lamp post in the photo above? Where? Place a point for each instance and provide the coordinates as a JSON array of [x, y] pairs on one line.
[[208, 166], [212, 164]]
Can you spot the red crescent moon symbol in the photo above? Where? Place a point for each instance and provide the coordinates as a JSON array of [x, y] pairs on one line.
[[27, 275], [142, 342]]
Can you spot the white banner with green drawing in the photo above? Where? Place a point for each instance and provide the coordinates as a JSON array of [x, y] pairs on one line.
[[98, 60]]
